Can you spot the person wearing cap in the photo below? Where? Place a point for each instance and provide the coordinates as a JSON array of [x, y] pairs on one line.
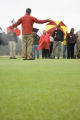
[[71, 40], [58, 38], [27, 22]]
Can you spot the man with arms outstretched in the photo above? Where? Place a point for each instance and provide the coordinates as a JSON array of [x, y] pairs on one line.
[[27, 22]]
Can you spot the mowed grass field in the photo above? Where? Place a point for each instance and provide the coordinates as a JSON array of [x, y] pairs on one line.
[[39, 89]]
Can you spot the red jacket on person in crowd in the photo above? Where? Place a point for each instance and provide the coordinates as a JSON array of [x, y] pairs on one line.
[[44, 42], [27, 22]]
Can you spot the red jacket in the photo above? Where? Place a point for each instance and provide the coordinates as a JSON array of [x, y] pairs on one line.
[[27, 22], [44, 42]]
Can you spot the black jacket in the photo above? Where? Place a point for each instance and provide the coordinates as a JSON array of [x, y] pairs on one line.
[[35, 38], [71, 38], [58, 35]]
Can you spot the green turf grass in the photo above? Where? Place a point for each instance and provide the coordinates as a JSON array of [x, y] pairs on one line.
[[39, 89]]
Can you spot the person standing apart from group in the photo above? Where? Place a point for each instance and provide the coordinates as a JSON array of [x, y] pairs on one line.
[[12, 39], [27, 22]]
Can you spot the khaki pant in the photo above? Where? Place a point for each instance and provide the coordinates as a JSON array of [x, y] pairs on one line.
[[57, 44], [78, 49], [12, 46], [27, 42]]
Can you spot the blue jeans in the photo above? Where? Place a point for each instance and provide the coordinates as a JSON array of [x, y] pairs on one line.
[[35, 49], [64, 51]]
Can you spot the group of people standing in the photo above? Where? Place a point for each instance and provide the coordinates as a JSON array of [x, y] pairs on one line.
[[69, 41], [31, 42]]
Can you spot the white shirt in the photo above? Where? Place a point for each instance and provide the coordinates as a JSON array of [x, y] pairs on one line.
[[51, 39]]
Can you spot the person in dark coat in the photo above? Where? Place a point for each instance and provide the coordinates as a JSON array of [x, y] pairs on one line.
[[35, 45], [58, 38], [71, 40]]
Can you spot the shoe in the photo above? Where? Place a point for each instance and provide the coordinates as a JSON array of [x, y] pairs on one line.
[[24, 59], [14, 58], [51, 57], [11, 58], [31, 59]]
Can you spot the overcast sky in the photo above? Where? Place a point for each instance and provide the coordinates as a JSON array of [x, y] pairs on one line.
[[66, 10]]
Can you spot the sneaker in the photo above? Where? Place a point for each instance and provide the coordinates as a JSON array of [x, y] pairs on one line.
[[24, 59], [10, 58], [14, 58]]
